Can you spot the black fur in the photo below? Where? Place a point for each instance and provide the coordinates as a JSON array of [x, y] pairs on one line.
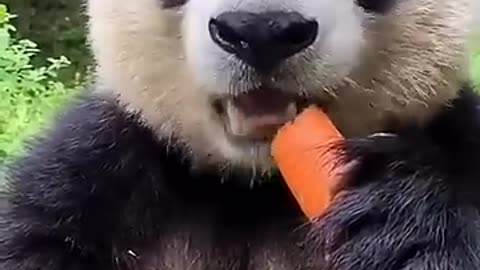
[[413, 202], [100, 192], [377, 6], [173, 3]]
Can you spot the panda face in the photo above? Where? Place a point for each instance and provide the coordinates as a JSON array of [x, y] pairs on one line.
[[222, 75], [262, 61]]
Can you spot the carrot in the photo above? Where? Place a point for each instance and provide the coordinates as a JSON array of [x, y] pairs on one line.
[[301, 150]]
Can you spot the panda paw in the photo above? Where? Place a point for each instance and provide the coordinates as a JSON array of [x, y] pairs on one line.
[[401, 207]]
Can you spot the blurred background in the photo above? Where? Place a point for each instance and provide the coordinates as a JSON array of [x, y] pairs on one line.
[[45, 61]]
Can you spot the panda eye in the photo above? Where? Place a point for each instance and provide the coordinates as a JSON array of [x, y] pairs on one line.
[[376, 6], [172, 3]]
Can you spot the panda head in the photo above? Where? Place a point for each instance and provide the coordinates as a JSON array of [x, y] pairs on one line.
[[221, 75]]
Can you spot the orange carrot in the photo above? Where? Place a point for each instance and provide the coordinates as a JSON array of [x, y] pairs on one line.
[[301, 150]]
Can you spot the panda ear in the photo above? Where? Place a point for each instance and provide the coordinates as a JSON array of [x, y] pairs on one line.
[[172, 3]]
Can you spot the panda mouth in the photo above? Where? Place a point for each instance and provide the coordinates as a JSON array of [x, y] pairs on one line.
[[258, 114]]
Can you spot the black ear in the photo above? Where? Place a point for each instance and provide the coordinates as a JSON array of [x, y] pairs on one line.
[[377, 6], [172, 3]]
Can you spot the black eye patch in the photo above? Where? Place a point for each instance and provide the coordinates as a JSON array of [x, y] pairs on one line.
[[172, 3], [376, 6]]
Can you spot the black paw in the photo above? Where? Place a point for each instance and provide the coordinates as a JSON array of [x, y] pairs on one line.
[[397, 209]]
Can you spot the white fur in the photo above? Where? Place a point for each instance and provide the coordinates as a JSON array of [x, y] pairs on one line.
[[333, 55], [164, 64]]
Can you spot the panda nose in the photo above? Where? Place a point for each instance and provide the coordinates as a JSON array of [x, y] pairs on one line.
[[263, 40]]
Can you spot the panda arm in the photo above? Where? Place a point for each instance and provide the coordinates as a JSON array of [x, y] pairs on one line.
[[413, 200], [84, 192]]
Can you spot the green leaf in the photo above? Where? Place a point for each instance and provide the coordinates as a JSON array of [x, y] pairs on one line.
[[29, 93], [3, 13]]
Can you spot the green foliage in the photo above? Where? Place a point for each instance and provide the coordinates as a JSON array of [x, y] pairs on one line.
[[28, 94], [59, 28]]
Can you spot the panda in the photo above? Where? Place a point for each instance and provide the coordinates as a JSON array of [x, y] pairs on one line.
[[165, 164]]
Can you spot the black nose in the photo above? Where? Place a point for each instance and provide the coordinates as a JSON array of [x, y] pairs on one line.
[[263, 40]]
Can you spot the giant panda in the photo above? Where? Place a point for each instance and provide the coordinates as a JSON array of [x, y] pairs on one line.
[[166, 164]]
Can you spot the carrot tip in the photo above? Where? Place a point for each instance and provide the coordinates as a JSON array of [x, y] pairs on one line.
[[303, 164]]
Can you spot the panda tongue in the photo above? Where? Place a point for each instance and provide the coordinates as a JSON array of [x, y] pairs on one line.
[[259, 114]]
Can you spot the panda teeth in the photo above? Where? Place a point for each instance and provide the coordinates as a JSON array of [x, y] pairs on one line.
[[256, 126], [291, 111], [236, 120]]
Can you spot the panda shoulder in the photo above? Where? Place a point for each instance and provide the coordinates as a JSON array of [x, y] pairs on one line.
[[97, 140]]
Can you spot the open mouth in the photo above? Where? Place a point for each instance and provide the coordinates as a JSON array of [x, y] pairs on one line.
[[258, 114]]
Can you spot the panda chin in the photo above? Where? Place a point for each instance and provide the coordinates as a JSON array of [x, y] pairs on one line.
[[255, 116]]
